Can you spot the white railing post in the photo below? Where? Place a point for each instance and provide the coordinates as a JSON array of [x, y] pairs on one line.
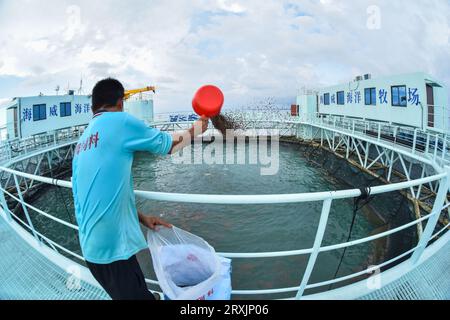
[[4, 203], [433, 220], [414, 141], [436, 142], [25, 209], [317, 243], [444, 148], [9, 151], [379, 132]]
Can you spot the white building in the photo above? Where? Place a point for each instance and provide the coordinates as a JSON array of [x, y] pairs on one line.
[[415, 100], [29, 116]]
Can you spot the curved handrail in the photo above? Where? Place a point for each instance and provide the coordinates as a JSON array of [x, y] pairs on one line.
[[274, 199], [218, 199], [248, 199]]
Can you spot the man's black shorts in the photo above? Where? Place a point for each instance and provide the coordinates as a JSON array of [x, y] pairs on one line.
[[122, 280]]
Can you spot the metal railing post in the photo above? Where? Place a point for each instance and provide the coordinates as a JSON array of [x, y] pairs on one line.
[[433, 220], [9, 151], [444, 148], [436, 142], [379, 132], [317, 243], [25, 209], [4, 203], [414, 141]]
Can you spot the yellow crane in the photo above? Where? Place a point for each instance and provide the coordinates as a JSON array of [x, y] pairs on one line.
[[130, 93]]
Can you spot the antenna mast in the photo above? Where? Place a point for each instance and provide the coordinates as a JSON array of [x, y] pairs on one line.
[[80, 90]]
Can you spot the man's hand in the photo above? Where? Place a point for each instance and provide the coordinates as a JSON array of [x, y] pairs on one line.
[[199, 127], [205, 122], [184, 138], [153, 222]]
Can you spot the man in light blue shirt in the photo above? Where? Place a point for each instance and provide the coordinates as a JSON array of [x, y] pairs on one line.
[[109, 232]]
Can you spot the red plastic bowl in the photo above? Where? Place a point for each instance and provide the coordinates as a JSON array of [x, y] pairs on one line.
[[208, 101]]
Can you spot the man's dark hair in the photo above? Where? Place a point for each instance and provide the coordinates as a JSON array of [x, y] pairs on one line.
[[106, 93]]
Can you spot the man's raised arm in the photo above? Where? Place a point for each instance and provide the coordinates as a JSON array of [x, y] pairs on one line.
[[184, 138]]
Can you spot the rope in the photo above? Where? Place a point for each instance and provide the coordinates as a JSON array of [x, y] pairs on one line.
[[365, 197]]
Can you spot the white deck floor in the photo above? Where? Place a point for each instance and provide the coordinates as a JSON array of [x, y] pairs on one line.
[[26, 274]]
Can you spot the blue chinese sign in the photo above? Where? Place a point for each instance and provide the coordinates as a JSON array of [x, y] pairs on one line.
[[356, 97], [78, 108], [413, 96], [26, 114], [183, 117], [82, 108], [382, 96], [349, 97], [54, 111]]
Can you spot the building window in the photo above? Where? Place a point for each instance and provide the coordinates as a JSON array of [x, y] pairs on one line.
[[39, 112], [370, 96], [326, 99], [341, 98], [399, 96], [65, 109]]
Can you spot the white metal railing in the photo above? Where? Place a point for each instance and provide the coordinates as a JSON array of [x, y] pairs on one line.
[[416, 141], [11, 149], [413, 140], [433, 144], [325, 197]]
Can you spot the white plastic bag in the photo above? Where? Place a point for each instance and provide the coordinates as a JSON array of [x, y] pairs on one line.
[[187, 267]]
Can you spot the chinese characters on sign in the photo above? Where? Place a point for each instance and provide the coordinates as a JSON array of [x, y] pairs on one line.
[[413, 96], [54, 111], [355, 97], [181, 117], [358, 97], [85, 108], [26, 114], [349, 97], [382, 95]]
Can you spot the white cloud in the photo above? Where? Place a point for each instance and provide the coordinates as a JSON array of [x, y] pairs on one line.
[[249, 48], [3, 104], [231, 6]]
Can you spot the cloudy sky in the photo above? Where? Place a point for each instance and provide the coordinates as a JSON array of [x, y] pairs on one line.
[[251, 49]]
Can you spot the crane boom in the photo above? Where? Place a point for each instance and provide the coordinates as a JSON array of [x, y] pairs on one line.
[[130, 93]]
